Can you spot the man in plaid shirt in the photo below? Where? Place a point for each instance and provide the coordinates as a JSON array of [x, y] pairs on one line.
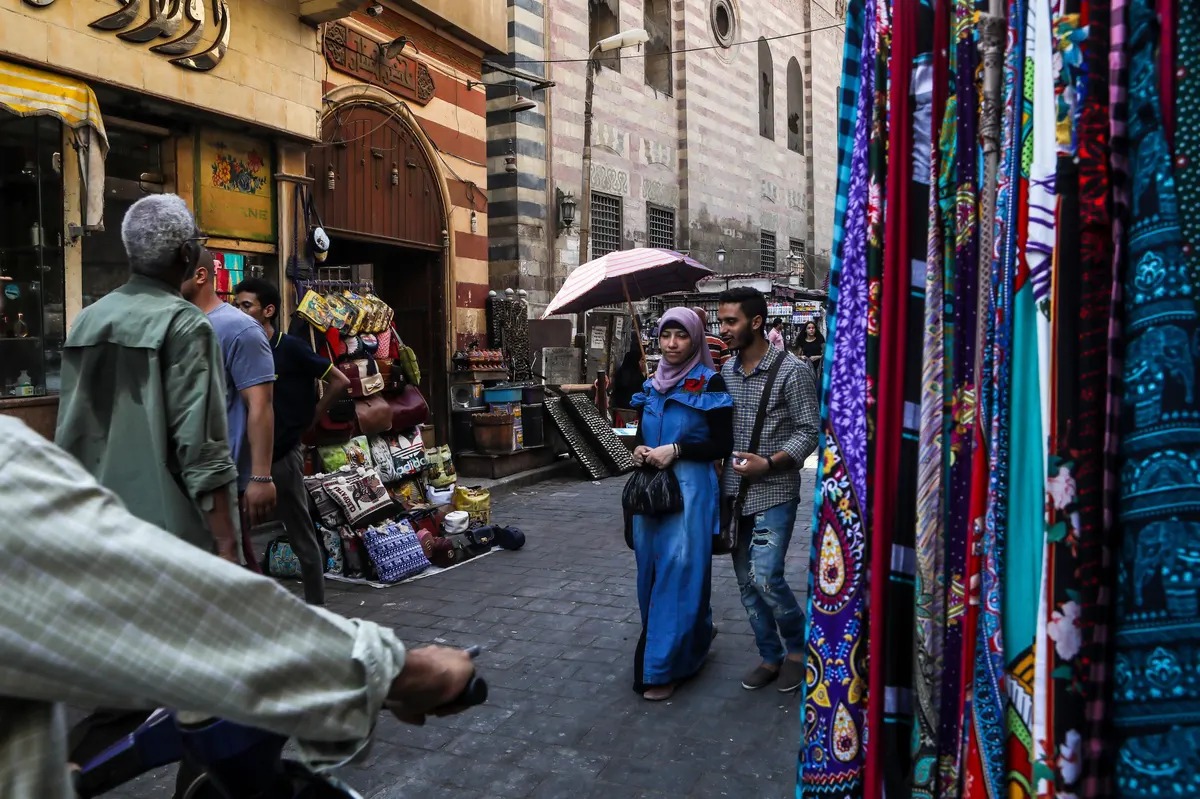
[[789, 435]]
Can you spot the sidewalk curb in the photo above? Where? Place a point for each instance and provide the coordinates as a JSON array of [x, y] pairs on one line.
[[564, 467]]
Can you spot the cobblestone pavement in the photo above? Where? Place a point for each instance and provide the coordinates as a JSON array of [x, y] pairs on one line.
[[558, 622]]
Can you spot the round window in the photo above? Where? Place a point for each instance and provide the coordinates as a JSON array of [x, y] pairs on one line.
[[724, 22]]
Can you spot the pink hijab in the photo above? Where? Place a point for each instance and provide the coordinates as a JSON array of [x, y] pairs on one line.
[[668, 375]]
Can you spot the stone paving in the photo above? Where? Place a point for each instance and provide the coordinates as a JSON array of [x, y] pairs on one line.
[[558, 625]]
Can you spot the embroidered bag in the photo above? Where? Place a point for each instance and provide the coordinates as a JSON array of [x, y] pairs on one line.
[[396, 551], [280, 561]]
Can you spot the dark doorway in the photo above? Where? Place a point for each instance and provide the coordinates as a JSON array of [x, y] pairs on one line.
[[412, 282]]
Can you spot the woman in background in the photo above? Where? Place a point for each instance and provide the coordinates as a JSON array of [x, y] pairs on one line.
[[687, 424], [626, 382], [810, 346]]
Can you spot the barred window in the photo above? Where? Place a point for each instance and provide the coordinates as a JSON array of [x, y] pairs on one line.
[[660, 227], [766, 251], [606, 225]]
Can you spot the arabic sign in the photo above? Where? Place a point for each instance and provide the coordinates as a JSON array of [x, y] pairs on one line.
[[355, 55]]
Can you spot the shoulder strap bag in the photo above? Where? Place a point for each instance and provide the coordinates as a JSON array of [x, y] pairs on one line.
[[732, 520]]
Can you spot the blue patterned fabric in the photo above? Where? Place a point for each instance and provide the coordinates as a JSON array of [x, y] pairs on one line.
[[1156, 704], [396, 551]]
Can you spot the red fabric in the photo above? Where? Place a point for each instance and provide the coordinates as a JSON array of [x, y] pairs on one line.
[[1166, 68], [897, 282], [972, 765]]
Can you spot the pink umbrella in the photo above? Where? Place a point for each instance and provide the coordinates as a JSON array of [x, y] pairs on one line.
[[626, 275]]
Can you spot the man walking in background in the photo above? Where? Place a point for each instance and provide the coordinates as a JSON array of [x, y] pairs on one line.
[[788, 435], [249, 383], [775, 336], [297, 408]]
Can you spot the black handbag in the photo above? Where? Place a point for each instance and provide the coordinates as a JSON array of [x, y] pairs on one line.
[[733, 522], [650, 492]]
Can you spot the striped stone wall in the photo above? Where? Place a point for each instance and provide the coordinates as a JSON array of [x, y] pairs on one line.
[[518, 248], [697, 151], [454, 120]]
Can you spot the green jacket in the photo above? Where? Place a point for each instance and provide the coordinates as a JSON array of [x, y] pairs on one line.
[[143, 405]]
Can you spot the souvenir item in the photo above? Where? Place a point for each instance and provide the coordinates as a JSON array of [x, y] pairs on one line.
[[314, 310], [477, 502], [396, 551], [360, 493]]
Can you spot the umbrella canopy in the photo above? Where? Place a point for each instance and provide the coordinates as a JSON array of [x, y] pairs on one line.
[[626, 275]]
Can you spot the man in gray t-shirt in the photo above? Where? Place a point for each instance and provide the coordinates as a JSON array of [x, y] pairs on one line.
[[249, 390]]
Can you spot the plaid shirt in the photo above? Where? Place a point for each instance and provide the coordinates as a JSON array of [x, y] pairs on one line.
[[103, 609], [792, 423]]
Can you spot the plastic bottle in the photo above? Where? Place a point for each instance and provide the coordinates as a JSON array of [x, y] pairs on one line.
[[24, 384]]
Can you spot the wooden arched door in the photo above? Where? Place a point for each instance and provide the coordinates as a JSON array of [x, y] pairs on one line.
[[385, 209]]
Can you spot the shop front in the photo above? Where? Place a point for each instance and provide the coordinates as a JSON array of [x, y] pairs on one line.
[[221, 114], [398, 184]]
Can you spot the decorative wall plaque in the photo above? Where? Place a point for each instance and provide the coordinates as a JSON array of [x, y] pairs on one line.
[[607, 180], [355, 55], [235, 195], [165, 19]]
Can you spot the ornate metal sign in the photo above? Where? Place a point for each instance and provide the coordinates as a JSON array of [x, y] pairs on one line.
[[165, 19], [357, 56]]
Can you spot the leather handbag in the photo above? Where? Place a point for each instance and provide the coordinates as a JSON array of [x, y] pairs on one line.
[[374, 415], [409, 408], [733, 523], [366, 386]]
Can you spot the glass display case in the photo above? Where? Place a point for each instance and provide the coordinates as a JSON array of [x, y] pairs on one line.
[[32, 322]]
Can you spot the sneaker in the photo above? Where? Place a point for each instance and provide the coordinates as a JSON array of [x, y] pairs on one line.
[[791, 675], [759, 677]]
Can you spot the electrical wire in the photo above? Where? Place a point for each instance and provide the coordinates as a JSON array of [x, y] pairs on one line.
[[731, 45]]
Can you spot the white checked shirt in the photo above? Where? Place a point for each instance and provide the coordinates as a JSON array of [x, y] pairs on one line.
[[792, 424], [98, 608]]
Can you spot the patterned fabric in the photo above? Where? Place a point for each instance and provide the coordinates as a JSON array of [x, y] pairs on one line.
[[1097, 747], [836, 683], [1158, 603], [929, 628], [792, 421], [80, 567], [395, 551], [1187, 135]]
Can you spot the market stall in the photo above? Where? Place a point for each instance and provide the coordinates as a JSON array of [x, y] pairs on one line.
[[386, 501]]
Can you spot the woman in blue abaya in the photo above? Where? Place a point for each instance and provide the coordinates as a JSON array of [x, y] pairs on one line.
[[687, 425]]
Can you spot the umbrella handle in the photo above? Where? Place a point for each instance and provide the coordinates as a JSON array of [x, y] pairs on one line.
[[637, 330]]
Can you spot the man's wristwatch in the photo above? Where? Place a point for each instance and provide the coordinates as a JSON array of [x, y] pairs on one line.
[[770, 463], [258, 478]]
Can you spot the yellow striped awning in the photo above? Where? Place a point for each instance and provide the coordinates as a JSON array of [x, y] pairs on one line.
[[28, 92]]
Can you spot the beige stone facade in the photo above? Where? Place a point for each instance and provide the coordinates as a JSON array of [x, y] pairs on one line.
[[269, 76]]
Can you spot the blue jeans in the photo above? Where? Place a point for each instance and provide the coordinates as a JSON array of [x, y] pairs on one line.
[[770, 603]]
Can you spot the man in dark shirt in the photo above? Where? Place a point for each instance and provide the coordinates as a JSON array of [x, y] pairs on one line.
[[297, 408]]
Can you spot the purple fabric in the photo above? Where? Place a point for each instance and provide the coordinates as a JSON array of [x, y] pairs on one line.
[[667, 375]]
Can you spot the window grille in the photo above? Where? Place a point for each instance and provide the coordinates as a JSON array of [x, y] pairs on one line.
[[660, 227], [606, 225], [766, 253]]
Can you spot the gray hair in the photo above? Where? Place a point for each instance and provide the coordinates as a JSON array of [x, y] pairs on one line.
[[153, 230]]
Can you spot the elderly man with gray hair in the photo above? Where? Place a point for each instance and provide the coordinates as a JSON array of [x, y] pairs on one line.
[[143, 387], [143, 406]]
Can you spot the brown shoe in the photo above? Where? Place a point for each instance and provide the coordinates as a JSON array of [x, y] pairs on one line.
[[659, 693], [791, 675], [759, 677]]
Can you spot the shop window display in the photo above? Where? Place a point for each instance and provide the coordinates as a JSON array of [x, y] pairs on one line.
[[134, 168], [31, 255]]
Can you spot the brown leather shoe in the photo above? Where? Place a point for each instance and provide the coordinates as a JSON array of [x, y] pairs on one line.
[[759, 677], [791, 675], [659, 693]]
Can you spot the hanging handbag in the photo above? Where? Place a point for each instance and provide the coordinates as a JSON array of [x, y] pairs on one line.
[[374, 415], [732, 520], [279, 560], [409, 408]]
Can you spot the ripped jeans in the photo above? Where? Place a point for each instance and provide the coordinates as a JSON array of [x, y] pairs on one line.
[[770, 603]]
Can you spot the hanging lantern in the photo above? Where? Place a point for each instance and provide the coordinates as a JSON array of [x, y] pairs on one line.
[[331, 179], [395, 174], [510, 162], [474, 223]]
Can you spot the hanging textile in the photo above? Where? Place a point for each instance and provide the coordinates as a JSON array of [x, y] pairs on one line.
[[1157, 692], [836, 685]]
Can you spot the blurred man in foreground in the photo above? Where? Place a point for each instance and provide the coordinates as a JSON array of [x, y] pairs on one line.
[[100, 608]]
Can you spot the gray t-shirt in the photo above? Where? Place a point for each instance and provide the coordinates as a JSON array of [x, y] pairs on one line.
[[248, 362]]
